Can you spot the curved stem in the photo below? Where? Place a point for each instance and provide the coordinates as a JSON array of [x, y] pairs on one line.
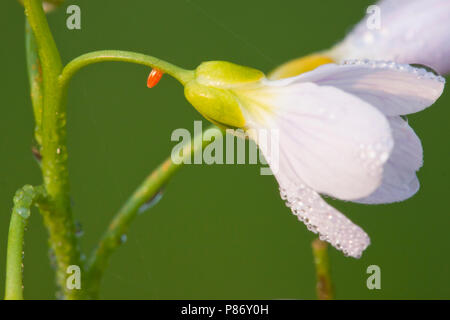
[[58, 221], [324, 286], [76, 64], [120, 224], [23, 200]]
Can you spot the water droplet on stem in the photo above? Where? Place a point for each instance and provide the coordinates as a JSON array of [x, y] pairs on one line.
[[152, 201]]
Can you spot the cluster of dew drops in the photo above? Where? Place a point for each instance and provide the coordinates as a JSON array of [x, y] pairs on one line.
[[319, 217], [422, 72]]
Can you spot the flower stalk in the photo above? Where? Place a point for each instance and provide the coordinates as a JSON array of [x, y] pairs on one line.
[[324, 287], [182, 75], [58, 220]]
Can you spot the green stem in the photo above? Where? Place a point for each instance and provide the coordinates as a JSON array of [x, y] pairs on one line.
[[35, 79], [324, 286], [48, 5], [76, 64], [58, 221], [14, 281], [120, 224], [23, 200]]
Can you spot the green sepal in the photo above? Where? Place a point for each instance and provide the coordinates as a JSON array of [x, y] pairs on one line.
[[223, 74], [215, 104]]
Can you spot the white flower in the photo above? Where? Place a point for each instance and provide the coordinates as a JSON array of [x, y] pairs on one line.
[[341, 135], [411, 31], [339, 130]]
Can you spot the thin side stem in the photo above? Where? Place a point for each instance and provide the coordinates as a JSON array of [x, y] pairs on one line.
[[76, 64], [14, 264], [35, 80], [120, 224], [324, 286], [58, 221], [23, 200]]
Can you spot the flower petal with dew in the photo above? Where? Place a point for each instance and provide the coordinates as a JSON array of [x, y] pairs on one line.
[[337, 126], [411, 31], [322, 131], [394, 89]]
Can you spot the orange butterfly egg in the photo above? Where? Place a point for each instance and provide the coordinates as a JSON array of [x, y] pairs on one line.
[[154, 77]]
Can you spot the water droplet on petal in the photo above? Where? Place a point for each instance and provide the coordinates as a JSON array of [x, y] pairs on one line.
[[425, 68]]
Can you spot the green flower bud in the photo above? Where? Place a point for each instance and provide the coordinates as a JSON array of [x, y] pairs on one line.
[[211, 92]]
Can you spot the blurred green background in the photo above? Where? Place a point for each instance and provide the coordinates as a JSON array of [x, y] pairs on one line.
[[220, 231]]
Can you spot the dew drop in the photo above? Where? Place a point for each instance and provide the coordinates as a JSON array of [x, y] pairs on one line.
[[78, 229], [152, 201], [426, 68], [331, 225], [23, 212]]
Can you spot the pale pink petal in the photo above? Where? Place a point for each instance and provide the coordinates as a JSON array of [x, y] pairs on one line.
[[394, 89], [336, 142], [411, 31], [399, 175]]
